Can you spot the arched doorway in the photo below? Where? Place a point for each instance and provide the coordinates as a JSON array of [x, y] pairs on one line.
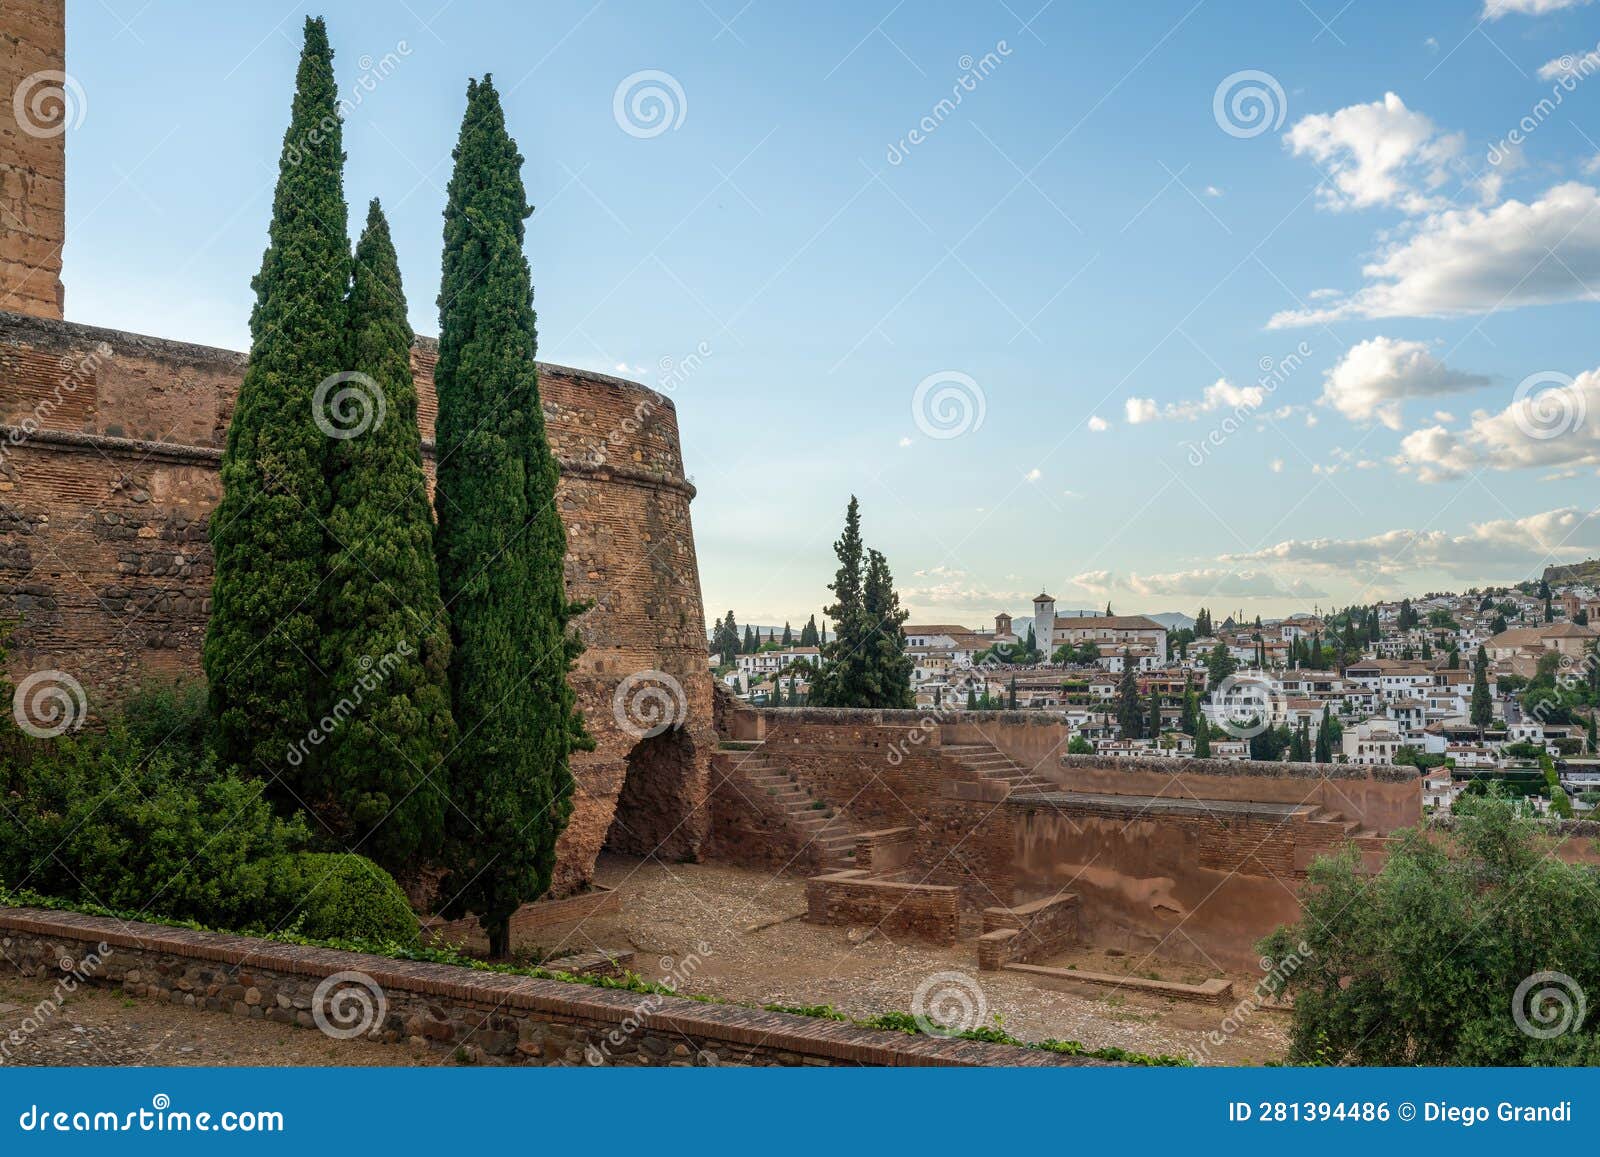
[[658, 813]]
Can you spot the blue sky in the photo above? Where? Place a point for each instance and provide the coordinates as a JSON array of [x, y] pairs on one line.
[[1097, 249]]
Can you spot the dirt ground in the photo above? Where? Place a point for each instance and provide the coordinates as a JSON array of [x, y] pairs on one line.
[[97, 1026], [721, 931], [711, 929]]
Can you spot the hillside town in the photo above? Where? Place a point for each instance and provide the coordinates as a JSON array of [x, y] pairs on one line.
[[1493, 685]]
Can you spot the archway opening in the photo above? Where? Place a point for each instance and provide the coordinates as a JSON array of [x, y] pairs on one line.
[[654, 817]]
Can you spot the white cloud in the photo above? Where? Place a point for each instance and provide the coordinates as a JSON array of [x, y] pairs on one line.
[[1495, 9], [1378, 154], [1515, 545], [1033, 475], [1470, 261], [951, 589], [1099, 425], [1549, 428], [1375, 376], [905, 442], [1221, 394], [1579, 64], [1277, 465], [1202, 582], [1213, 191]]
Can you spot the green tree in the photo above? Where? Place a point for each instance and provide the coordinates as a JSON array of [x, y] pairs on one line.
[[267, 531], [1154, 726], [1202, 739], [1482, 708], [1220, 665], [1324, 748], [1422, 963], [891, 667], [385, 637], [788, 635], [808, 633], [1130, 715], [845, 678], [501, 543], [1078, 745]]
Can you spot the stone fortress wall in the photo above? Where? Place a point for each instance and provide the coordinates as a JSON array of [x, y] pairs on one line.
[[110, 444]]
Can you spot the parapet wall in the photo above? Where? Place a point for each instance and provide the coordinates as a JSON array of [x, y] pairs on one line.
[[109, 451], [507, 1019], [1382, 798]]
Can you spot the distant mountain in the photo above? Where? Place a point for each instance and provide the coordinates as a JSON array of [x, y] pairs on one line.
[[1173, 620]]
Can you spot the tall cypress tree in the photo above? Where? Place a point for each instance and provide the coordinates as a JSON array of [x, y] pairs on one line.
[[891, 667], [844, 680], [501, 544], [385, 637], [266, 532], [1482, 710], [1129, 716], [1324, 749]]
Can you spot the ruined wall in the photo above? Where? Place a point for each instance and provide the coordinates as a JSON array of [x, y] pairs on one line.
[[35, 111], [1182, 858], [109, 449]]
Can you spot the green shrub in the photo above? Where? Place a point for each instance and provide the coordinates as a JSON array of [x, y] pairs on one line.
[[99, 819], [338, 895], [171, 716]]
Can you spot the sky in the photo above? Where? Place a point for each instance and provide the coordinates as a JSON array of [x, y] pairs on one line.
[[1260, 306]]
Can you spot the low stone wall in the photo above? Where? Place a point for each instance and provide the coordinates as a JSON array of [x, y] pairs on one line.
[[484, 1016], [888, 850], [526, 920], [1380, 797], [927, 911], [1028, 932]]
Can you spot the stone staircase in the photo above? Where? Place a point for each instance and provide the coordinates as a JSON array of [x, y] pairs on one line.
[[816, 824], [994, 766]]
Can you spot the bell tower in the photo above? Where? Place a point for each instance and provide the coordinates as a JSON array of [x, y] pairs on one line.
[[38, 103]]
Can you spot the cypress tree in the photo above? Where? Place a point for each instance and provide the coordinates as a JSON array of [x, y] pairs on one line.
[[385, 637], [1482, 709], [501, 544], [266, 532], [788, 636], [1324, 750], [890, 666], [1129, 716], [1202, 739], [845, 678]]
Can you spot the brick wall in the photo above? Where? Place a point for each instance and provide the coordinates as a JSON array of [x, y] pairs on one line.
[[108, 476], [494, 1018], [927, 911], [33, 160]]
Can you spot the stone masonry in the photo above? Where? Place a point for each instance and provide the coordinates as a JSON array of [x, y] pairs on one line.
[[36, 107]]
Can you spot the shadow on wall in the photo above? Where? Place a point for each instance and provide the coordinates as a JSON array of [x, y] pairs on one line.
[[655, 815]]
